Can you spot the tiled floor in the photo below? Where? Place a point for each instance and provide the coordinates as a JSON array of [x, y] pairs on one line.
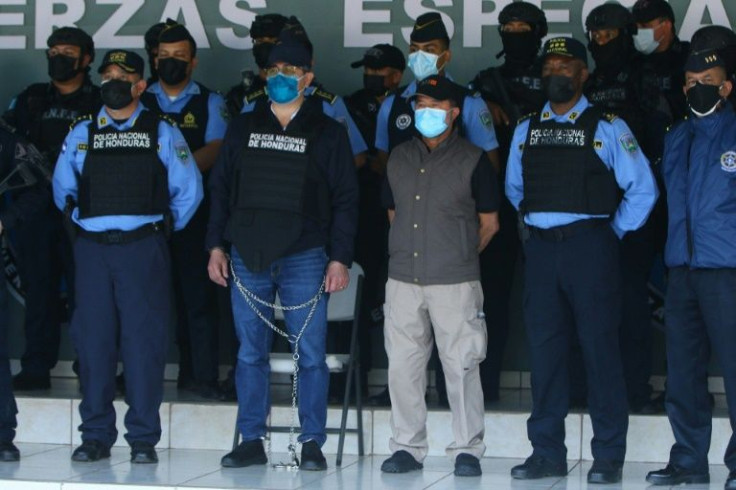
[[46, 467]]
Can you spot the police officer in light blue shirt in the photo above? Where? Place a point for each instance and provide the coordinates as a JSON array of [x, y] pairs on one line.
[[122, 176], [580, 182]]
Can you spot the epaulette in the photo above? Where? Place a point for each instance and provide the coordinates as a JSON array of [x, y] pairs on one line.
[[675, 124], [254, 95], [526, 116], [328, 96], [80, 119], [609, 116], [168, 119]]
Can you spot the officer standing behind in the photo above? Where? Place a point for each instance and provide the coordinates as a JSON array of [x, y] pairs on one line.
[[285, 196], [201, 115], [443, 201], [565, 172], [511, 91], [699, 168], [151, 45], [32, 199], [125, 174], [42, 114]]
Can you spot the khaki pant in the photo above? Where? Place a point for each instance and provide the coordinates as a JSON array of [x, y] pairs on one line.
[[413, 313]]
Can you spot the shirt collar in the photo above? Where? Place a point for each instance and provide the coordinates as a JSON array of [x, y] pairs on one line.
[[191, 89], [104, 119], [570, 116]]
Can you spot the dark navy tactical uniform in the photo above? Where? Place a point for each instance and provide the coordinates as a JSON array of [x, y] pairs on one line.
[[565, 174], [200, 115], [235, 97], [127, 179], [30, 201], [42, 115]]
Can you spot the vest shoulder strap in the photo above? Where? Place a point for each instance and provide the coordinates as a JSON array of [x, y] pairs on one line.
[[80, 119], [255, 95], [324, 94]]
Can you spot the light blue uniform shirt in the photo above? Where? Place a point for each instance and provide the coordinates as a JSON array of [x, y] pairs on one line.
[[617, 149], [337, 111], [477, 120], [216, 109], [185, 181]]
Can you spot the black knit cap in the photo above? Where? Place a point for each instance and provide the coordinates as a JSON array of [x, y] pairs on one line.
[[267, 25], [75, 37], [565, 46], [382, 56], [703, 60], [173, 32], [429, 27], [647, 10], [127, 60]]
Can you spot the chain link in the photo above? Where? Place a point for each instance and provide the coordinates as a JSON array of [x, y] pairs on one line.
[[251, 298]]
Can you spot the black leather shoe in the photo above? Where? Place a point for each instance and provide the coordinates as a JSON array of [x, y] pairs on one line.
[[246, 454], [143, 453], [90, 451], [467, 465], [8, 452], [731, 481], [312, 457], [25, 381], [536, 467], [676, 475], [401, 462], [605, 471]]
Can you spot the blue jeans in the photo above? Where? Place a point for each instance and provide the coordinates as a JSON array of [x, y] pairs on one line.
[[297, 278]]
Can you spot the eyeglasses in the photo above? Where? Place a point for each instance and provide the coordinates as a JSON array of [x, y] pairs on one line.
[[288, 70]]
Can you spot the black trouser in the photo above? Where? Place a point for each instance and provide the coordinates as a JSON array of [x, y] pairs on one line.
[[8, 408], [574, 286], [196, 301], [44, 256]]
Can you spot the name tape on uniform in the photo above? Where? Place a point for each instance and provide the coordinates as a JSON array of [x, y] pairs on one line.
[[557, 137], [127, 139], [279, 142]]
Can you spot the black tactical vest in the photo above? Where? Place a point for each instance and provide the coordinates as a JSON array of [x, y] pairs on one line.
[[191, 120], [276, 185], [122, 173], [562, 171]]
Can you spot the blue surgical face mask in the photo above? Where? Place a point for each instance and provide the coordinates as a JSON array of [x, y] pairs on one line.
[[423, 64], [644, 41], [430, 122], [283, 89]]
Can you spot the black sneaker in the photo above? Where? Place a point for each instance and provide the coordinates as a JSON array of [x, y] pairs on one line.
[[91, 450], [246, 454], [25, 381], [605, 471], [143, 453], [676, 475], [536, 467], [8, 452], [401, 462], [312, 457], [467, 465]]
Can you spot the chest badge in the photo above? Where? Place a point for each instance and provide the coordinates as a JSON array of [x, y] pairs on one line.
[[403, 121], [728, 161], [189, 121]]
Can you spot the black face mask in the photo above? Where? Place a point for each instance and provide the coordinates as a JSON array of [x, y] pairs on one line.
[[62, 68], [172, 71], [558, 88], [611, 56], [261, 52], [520, 46], [703, 98], [373, 84], [116, 94]]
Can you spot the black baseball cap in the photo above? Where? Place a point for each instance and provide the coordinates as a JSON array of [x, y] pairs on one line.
[[290, 48], [75, 37], [127, 60], [703, 60], [429, 27], [647, 10], [565, 46], [440, 88], [382, 56]]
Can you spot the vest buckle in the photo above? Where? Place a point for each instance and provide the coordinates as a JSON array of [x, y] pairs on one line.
[[113, 237]]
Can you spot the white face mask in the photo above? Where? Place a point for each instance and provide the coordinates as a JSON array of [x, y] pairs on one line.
[[644, 41]]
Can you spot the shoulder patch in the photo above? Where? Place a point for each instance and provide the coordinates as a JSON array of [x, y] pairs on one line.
[[526, 117], [328, 96], [254, 95], [167, 118], [80, 119], [628, 142]]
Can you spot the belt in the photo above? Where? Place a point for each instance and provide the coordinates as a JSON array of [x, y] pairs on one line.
[[561, 233], [120, 237]]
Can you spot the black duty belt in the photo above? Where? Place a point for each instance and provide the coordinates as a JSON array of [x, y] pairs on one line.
[[120, 237], [562, 233]]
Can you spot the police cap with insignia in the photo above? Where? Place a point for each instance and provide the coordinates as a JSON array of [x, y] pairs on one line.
[[440, 88], [267, 25], [75, 37], [703, 60], [173, 32], [382, 56], [565, 46], [647, 10], [127, 60], [290, 49], [429, 27], [715, 37]]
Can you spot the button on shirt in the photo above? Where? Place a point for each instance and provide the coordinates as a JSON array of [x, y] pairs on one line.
[[216, 108], [619, 151], [477, 122], [184, 179]]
